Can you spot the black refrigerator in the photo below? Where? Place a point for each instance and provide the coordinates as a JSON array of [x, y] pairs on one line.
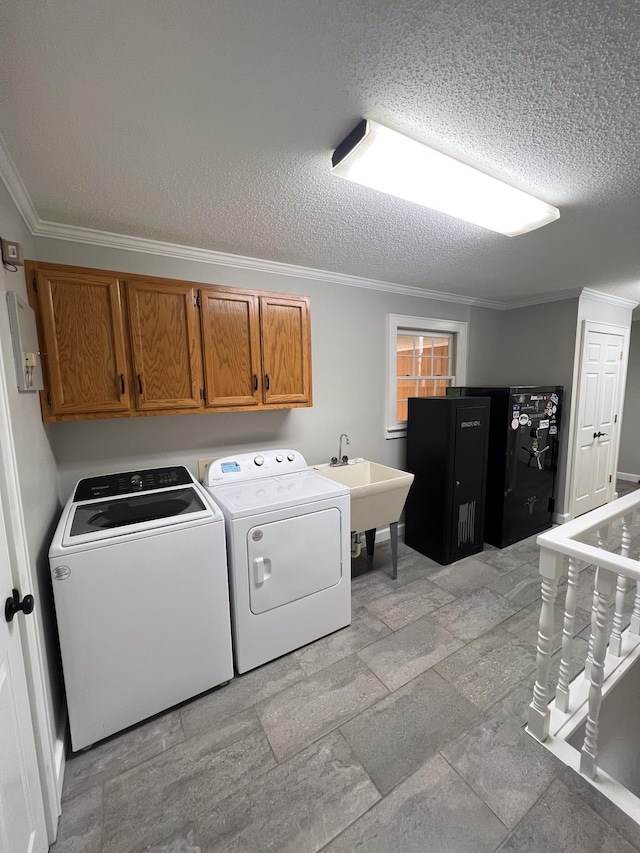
[[447, 453], [523, 459]]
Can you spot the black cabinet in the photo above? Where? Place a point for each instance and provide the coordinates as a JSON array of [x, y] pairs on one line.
[[447, 452], [523, 458]]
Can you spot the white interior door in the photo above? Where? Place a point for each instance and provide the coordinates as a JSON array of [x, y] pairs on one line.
[[599, 403], [22, 824]]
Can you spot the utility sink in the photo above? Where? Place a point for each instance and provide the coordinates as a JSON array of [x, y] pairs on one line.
[[378, 492]]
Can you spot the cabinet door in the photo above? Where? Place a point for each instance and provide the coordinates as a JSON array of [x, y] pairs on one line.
[[85, 343], [286, 349], [231, 348], [165, 345], [469, 445]]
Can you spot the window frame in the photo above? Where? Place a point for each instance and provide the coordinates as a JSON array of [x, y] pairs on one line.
[[399, 324]]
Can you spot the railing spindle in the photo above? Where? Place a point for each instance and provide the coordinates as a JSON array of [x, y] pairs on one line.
[[615, 643], [634, 625], [551, 567], [605, 584], [562, 691], [602, 535]]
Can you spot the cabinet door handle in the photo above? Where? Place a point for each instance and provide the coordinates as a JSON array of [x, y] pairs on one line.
[[267, 381], [255, 381], [122, 383], [140, 384]]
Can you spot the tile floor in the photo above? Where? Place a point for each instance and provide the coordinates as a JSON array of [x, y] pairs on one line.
[[401, 733]]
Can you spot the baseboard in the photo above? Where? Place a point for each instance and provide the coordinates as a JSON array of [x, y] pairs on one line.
[[630, 478], [60, 750], [60, 763], [560, 517], [54, 809]]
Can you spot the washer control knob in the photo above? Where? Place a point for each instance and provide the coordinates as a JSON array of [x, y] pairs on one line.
[[136, 480], [279, 457], [291, 457], [258, 460]]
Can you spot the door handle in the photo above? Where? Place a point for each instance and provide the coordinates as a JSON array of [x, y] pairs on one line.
[[261, 570], [13, 605], [599, 434]]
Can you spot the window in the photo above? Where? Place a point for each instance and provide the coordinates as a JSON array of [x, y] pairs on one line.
[[425, 357]]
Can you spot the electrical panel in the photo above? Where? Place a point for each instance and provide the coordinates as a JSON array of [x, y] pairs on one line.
[[24, 336]]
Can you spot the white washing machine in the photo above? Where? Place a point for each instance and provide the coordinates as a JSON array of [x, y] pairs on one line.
[[288, 545], [139, 573]]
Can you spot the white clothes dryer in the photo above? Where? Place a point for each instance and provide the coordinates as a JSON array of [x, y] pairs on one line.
[[139, 573], [288, 545]]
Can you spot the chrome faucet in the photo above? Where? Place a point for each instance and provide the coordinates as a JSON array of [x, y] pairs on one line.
[[340, 459]]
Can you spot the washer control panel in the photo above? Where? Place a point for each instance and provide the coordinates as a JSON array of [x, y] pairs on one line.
[[252, 466], [130, 482]]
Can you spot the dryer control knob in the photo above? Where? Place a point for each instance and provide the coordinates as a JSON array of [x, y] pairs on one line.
[[290, 457], [279, 457], [258, 460]]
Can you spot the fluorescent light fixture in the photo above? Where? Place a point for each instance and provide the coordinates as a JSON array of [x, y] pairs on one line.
[[385, 160]]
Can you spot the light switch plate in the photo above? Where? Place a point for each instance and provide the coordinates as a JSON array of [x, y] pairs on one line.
[[12, 253]]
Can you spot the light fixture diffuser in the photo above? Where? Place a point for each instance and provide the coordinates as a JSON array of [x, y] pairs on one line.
[[380, 158]]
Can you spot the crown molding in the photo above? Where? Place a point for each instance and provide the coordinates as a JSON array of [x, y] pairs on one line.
[[576, 293], [74, 233], [17, 189], [609, 298], [559, 296]]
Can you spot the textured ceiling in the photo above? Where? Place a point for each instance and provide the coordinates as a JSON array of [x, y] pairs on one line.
[[210, 123]]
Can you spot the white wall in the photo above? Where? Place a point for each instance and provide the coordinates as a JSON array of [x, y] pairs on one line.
[[534, 346], [486, 332], [38, 483], [629, 460]]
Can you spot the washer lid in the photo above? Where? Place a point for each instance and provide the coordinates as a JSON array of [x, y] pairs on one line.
[[106, 518], [251, 496]]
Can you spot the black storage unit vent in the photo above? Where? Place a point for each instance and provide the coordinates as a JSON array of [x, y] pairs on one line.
[[523, 458], [447, 441]]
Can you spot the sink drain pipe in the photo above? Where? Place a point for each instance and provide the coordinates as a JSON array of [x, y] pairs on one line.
[[356, 546]]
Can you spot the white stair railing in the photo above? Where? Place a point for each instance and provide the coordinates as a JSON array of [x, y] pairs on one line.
[[566, 547]]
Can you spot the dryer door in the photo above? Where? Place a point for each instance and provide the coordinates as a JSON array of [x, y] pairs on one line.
[[292, 558]]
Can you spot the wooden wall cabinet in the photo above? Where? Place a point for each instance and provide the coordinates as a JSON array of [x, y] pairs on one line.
[[257, 349], [231, 348], [286, 349], [165, 345], [119, 345], [82, 323]]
